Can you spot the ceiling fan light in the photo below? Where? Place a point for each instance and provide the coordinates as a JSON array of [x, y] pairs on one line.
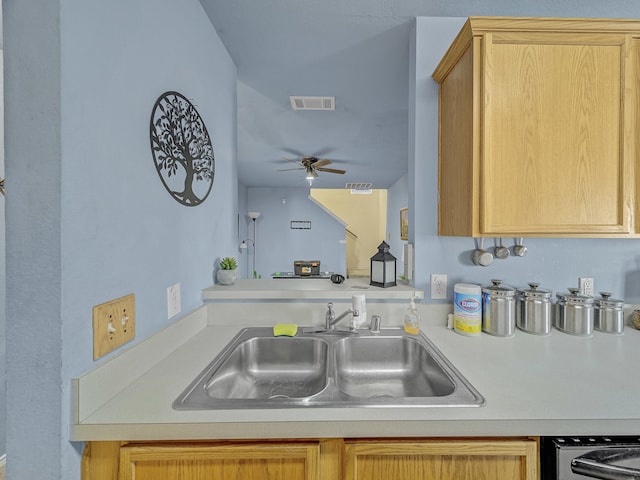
[[311, 173]]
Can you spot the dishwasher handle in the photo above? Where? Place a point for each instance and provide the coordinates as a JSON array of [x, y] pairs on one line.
[[596, 464]]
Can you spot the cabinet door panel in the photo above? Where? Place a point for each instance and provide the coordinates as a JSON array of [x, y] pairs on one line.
[[442, 460], [632, 119], [553, 159], [223, 462], [456, 172]]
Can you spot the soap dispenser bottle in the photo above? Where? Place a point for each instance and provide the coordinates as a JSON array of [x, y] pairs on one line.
[[412, 319]]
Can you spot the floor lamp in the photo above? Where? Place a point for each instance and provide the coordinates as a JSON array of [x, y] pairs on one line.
[[253, 216]]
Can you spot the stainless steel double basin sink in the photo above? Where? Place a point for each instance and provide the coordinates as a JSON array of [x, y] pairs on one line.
[[326, 369]]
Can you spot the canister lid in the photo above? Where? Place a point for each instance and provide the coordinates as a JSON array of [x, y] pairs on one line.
[[607, 301], [534, 291], [498, 289], [574, 297]]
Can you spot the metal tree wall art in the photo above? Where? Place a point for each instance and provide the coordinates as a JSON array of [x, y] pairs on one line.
[[182, 149]]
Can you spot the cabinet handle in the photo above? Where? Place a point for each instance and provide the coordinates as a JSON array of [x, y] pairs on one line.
[[596, 464]]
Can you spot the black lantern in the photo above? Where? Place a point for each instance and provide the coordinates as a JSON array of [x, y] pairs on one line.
[[383, 267]]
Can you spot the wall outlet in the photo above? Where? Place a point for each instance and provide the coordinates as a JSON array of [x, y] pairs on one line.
[[438, 286], [174, 306], [585, 284], [114, 324]]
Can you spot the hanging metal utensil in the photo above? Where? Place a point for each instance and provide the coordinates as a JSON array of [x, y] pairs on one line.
[[519, 250], [480, 256], [500, 251]]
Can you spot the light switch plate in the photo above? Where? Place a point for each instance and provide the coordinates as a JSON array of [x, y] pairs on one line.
[[114, 324]]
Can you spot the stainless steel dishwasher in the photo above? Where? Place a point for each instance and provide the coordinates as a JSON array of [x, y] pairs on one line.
[[581, 458]]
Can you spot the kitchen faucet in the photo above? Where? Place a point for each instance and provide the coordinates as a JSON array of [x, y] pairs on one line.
[[331, 319]]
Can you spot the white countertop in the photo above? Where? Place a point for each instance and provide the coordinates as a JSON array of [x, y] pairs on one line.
[[554, 385]]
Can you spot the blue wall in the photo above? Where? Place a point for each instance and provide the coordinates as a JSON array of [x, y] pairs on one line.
[[555, 263], [33, 239], [278, 246], [91, 220], [3, 287]]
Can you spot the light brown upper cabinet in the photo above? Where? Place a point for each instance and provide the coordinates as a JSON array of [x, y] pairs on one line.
[[538, 128]]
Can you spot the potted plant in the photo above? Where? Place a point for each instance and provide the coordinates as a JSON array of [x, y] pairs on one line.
[[226, 274]]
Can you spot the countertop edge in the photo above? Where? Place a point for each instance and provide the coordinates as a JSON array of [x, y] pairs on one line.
[[353, 429]]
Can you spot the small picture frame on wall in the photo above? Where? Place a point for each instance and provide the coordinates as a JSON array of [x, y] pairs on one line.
[[404, 223], [300, 225]]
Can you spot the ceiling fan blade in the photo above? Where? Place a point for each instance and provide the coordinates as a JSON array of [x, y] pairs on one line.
[[297, 162], [287, 169], [293, 151], [331, 170], [323, 152], [322, 163]]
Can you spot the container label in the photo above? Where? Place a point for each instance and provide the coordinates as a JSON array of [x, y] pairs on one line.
[[467, 313], [466, 326], [467, 303]]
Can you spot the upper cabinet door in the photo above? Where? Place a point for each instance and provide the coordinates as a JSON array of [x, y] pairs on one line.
[[554, 158], [549, 113]]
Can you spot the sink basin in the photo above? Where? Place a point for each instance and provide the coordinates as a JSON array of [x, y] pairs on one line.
[[389, 369], [268, 368], [396, 367]]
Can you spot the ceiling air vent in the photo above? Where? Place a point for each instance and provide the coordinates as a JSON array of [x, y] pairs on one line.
[[313, 103], [359, 188]]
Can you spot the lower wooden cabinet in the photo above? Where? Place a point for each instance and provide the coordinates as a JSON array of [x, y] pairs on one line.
[[462, 459], [255, 460], [200, 462], [423, 459]]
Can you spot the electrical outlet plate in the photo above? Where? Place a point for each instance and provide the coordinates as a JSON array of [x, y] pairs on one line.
[[114, 324], [438, 286], [585, 284]]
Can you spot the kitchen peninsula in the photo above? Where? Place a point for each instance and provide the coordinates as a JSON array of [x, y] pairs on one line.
[[533, 386]]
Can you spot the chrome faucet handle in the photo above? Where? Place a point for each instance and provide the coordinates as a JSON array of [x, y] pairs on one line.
[[329, 316]]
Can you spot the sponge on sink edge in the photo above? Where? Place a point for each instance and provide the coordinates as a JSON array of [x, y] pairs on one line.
[[285, 330]]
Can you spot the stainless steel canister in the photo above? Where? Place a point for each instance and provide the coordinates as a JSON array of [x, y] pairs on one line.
[[498, 309], [609, 317], [574, 313], [533, 310]]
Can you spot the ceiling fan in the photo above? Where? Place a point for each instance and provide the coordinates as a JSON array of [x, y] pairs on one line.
[[312, 166]]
